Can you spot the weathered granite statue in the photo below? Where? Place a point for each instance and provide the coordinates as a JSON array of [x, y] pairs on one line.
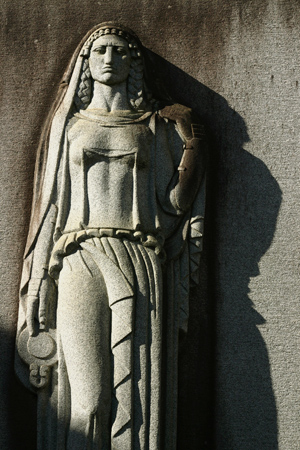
[[114, 243]]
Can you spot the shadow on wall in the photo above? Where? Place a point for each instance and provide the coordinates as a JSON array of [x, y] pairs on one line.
[[243, 201]]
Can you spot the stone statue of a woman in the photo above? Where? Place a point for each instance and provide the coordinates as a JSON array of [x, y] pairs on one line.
[[113, 245]]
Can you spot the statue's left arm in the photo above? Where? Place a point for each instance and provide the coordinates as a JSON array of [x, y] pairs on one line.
[[192, 165]]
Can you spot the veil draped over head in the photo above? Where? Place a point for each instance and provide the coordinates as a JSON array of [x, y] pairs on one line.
[[183, 247]]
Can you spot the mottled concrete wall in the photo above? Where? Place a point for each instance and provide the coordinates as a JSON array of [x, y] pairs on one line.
[[237, 63], [257, 231]]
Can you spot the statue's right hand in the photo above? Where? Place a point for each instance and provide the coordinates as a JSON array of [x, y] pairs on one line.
[[31, 313], [37, 305]]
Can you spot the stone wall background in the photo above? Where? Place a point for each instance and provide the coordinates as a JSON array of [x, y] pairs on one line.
[[236, 62]]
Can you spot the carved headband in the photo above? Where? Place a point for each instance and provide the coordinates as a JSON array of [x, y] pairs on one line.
[[127, 34]]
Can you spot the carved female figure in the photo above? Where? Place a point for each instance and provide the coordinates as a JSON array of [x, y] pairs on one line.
[[114, 242]]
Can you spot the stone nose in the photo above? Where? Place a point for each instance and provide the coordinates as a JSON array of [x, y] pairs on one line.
[[108, 57]]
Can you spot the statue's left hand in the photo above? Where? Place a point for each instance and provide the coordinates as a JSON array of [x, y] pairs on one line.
[[182, 116]]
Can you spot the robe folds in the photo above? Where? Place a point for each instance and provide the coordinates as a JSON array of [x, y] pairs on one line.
[[143, 261]]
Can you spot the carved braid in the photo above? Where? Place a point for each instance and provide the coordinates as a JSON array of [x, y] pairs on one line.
[[135, 82], [84, 89]]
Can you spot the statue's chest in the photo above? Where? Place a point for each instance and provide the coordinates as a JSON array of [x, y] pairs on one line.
[[94, 142]]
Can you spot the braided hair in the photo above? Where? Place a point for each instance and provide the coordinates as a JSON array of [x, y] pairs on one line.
[[138, 95]]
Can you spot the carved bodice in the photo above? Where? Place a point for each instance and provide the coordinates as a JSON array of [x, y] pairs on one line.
[[110, 165]]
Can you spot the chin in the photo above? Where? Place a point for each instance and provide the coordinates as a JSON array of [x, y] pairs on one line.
[[106, 79], [109, 79]]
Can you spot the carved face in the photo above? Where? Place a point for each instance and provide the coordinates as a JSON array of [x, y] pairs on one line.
[[110, 60]]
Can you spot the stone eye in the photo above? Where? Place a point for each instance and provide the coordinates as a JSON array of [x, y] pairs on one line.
[[100, 50]]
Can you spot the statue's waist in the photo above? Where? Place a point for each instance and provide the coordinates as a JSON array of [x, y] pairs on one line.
[[70, 242]]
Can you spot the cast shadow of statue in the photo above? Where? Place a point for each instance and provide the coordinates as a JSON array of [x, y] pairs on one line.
[[237, 410]]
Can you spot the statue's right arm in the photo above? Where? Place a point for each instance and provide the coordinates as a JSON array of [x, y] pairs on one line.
[[41, 286]]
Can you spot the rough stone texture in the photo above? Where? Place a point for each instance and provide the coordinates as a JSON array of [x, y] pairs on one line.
[[239, 64]]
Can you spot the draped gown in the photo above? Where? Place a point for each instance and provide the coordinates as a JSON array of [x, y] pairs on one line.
[[123, 257]]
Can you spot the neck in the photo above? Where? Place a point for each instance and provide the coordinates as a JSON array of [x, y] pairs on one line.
[[109, 98]]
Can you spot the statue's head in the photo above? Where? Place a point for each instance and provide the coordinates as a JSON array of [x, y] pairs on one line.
[[112, 54], [110, 60]]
